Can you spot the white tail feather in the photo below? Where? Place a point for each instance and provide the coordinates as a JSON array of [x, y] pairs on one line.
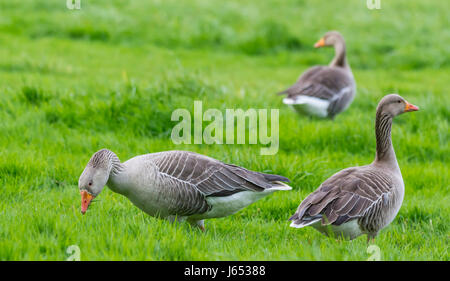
[[293, 224], [278, 185], [309, 105]]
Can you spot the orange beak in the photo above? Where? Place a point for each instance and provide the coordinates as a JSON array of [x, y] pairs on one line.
[[320, 43], [410, 107], [86, 199]]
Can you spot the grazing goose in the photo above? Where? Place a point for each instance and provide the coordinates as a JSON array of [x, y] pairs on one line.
[[324, 91], [360, 200], [177, 185]]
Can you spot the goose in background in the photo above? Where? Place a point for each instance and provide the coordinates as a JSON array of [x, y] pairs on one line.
[[324, 91], [177, 185], [360, 200]]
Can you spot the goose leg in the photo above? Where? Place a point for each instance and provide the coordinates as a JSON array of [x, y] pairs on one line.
[[171, 219], [371, 238], [197, 223], [201, 225]]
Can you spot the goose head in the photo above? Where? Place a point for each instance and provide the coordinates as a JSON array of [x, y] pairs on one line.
[[331, 38], [393, 105], [94, 178]]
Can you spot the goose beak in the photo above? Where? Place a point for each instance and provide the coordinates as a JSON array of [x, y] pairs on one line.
[[410, 107], [86, 199], [320, 43]]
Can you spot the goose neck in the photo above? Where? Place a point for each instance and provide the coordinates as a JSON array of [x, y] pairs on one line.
[[340, 57], [115, 169], [116, 166], [385, 151]]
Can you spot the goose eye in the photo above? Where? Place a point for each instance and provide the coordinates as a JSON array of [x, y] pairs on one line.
[[399, 101], [90, 183]]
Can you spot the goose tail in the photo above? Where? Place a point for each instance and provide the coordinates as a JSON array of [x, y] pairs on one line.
[[278, 185], [300, 222]]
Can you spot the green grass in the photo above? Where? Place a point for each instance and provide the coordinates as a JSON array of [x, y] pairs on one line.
[[110, 75]]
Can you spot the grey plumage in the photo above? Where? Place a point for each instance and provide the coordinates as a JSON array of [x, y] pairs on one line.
[[181, 184], [350, 194], [369, 195], [191, 178], [333, 84], [210, 176], [106, 159]]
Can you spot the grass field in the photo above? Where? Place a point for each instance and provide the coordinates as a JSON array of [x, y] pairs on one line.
[[110, 75]]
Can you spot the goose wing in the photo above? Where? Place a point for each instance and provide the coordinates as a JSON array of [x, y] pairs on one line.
[[191, 177], [321, 82], [349, 194]]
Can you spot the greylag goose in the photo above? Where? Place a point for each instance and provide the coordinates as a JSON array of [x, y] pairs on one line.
[[324, 91], [365, 199], [177, 185]]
